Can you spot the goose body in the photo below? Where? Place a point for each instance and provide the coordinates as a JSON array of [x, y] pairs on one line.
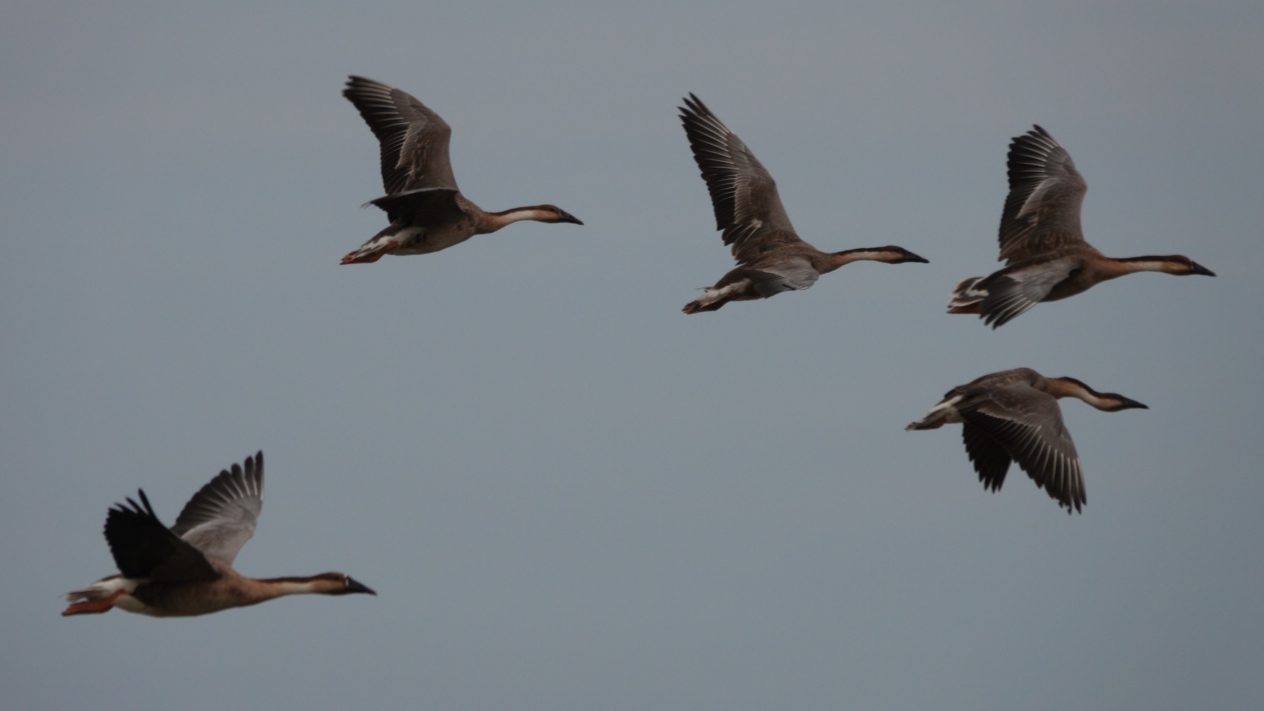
[[187, 569], [1013, 416], [427, 211], [1046, 256], [771, 257]]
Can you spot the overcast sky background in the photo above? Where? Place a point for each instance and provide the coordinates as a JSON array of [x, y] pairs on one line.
[[569, 495]]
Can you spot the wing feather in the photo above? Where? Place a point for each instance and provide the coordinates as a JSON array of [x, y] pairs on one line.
[[990, 459], [1014, 290], [144, 548], [414, 140], [221, 516], [1028, 424], [1042, 210], [743, 193]]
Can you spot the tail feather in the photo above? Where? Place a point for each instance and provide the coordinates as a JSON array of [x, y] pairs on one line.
[[967, 296], [713, 297], [700, 305], [927, 423], [370, 251], [93, 607], [85, 594], [98, 597], [939, 415]]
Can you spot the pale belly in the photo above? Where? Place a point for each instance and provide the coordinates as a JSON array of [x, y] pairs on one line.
[[425, 241]]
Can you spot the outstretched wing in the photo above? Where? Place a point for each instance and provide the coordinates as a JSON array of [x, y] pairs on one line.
[[1028, 423], [743, 193], [144, 548], [413, 138], [221, 517], [1042, 210]]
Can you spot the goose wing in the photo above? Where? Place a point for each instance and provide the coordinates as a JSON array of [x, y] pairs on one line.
[[743, 193], [1042, 210], [990, 458], [765, 280], [144, 548], [221, 516], [424, 207], [1027, 423], [413, 138], [1015, 289]]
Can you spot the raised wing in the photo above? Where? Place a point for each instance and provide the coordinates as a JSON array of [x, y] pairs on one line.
[[221, 517], [144, 548], [1042, 210], [1028, 423], [413, 138], [743, 193]]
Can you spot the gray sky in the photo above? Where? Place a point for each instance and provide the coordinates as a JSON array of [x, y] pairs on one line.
[[568, 494]]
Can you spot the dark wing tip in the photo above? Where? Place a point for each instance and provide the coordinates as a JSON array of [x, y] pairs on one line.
[[143, 509], [355, 81], [1036, 140], [254, 467], [224, 492], [693, 108]]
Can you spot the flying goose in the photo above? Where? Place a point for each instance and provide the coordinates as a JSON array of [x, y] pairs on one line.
[[187, 569], [1013, 415], [1041, 242], [426, 210], [771, 258]]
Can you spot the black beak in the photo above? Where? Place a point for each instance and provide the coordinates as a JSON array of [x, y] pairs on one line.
[[1132, 405], [355, 586], [910, 257], [1196, 268], [568, 217]]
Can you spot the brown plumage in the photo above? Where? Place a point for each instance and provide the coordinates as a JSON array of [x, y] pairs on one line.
[[426, 210], [1041, 241], [770, 255], [1013, 415], [187, 569]]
